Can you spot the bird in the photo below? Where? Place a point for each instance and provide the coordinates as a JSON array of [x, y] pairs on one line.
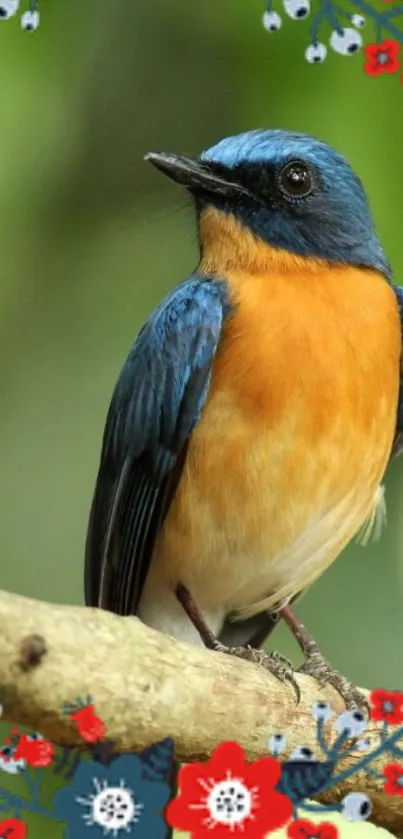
[[253, 421]]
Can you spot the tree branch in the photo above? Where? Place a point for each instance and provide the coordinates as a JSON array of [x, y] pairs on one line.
[[147, 686]]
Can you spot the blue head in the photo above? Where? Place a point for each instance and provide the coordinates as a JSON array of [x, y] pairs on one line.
[[290, 190]]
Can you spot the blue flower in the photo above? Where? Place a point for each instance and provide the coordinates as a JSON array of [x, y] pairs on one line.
[[112, 801]]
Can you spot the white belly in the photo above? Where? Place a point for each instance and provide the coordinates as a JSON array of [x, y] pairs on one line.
[[294, 570]]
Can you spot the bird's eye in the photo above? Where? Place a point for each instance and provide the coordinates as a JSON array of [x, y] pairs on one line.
[[295, 180]]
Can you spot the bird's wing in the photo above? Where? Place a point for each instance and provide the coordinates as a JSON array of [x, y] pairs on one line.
[[398, 441], [156, 404]]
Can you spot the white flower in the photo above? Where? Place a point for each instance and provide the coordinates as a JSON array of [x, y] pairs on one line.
[[351, 723], [277, 744], [297, 9], [272, 21], [302, 753], [322, 711], [346, 41], [30, 21], [8, 8], [356, 807], [358, 20]]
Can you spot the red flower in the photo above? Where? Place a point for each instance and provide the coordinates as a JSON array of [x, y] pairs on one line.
[[394, 779], [12, 829], [304, 829], [91, 727], [387, 706], [382, 58], [227, 797], [36, 752]]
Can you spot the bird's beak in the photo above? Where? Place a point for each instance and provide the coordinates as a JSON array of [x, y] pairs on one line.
[[194, 174]]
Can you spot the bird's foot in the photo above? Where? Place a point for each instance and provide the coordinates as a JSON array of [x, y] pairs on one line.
[[276, 663], [316, 666]]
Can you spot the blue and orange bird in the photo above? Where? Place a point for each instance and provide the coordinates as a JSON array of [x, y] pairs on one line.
[[257, 411]]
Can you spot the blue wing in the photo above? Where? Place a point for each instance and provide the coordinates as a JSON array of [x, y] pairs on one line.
[[398, 442], [156, 404]]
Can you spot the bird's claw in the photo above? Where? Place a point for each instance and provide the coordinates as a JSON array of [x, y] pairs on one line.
[[316, 666], [276, 663], [282, 668]]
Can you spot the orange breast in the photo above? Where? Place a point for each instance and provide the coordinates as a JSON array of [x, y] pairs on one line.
[[284, 465]]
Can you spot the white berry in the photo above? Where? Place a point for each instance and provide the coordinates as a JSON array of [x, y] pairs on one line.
[[358, 20], [297, 9], [356, 807], [351, 723], [302, 753], [316, 53], [8, 8], [363, 744], [346, 41], [7, 762], [321, 711], [272, 21], [30, 21], [277, 744]]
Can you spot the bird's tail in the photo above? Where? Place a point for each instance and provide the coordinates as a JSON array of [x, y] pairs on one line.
[[375, 521]]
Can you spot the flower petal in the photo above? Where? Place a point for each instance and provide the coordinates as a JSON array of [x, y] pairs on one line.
[[392, 48], [129, 767], [179, 815], [228, 755], [327, 830], [275, 810], [265, 771], [392, 771], [153, 794], [192, 777], [300, 829], [392, 788], [372, 51]]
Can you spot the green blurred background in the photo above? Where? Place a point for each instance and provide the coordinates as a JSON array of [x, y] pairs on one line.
[[91, 238]]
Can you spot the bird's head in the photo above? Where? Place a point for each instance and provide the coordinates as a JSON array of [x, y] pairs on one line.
[[287, 190]]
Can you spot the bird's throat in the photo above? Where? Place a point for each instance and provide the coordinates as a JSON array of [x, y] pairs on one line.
[[228, 246]]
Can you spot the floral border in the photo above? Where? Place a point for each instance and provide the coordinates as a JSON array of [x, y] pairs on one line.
[[119, 795]]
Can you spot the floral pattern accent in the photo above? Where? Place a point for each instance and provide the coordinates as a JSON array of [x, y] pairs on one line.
[[226, 796], [387, 706], [112, 801], [340, 29]]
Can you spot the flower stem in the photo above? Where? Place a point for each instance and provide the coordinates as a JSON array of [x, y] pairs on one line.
[[365, 761], [335, 750], [321, 740], [380, 18], [328, 9], [320, 808], [15, 803]]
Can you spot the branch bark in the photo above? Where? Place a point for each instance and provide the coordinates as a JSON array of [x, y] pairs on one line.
[[147, 686]]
